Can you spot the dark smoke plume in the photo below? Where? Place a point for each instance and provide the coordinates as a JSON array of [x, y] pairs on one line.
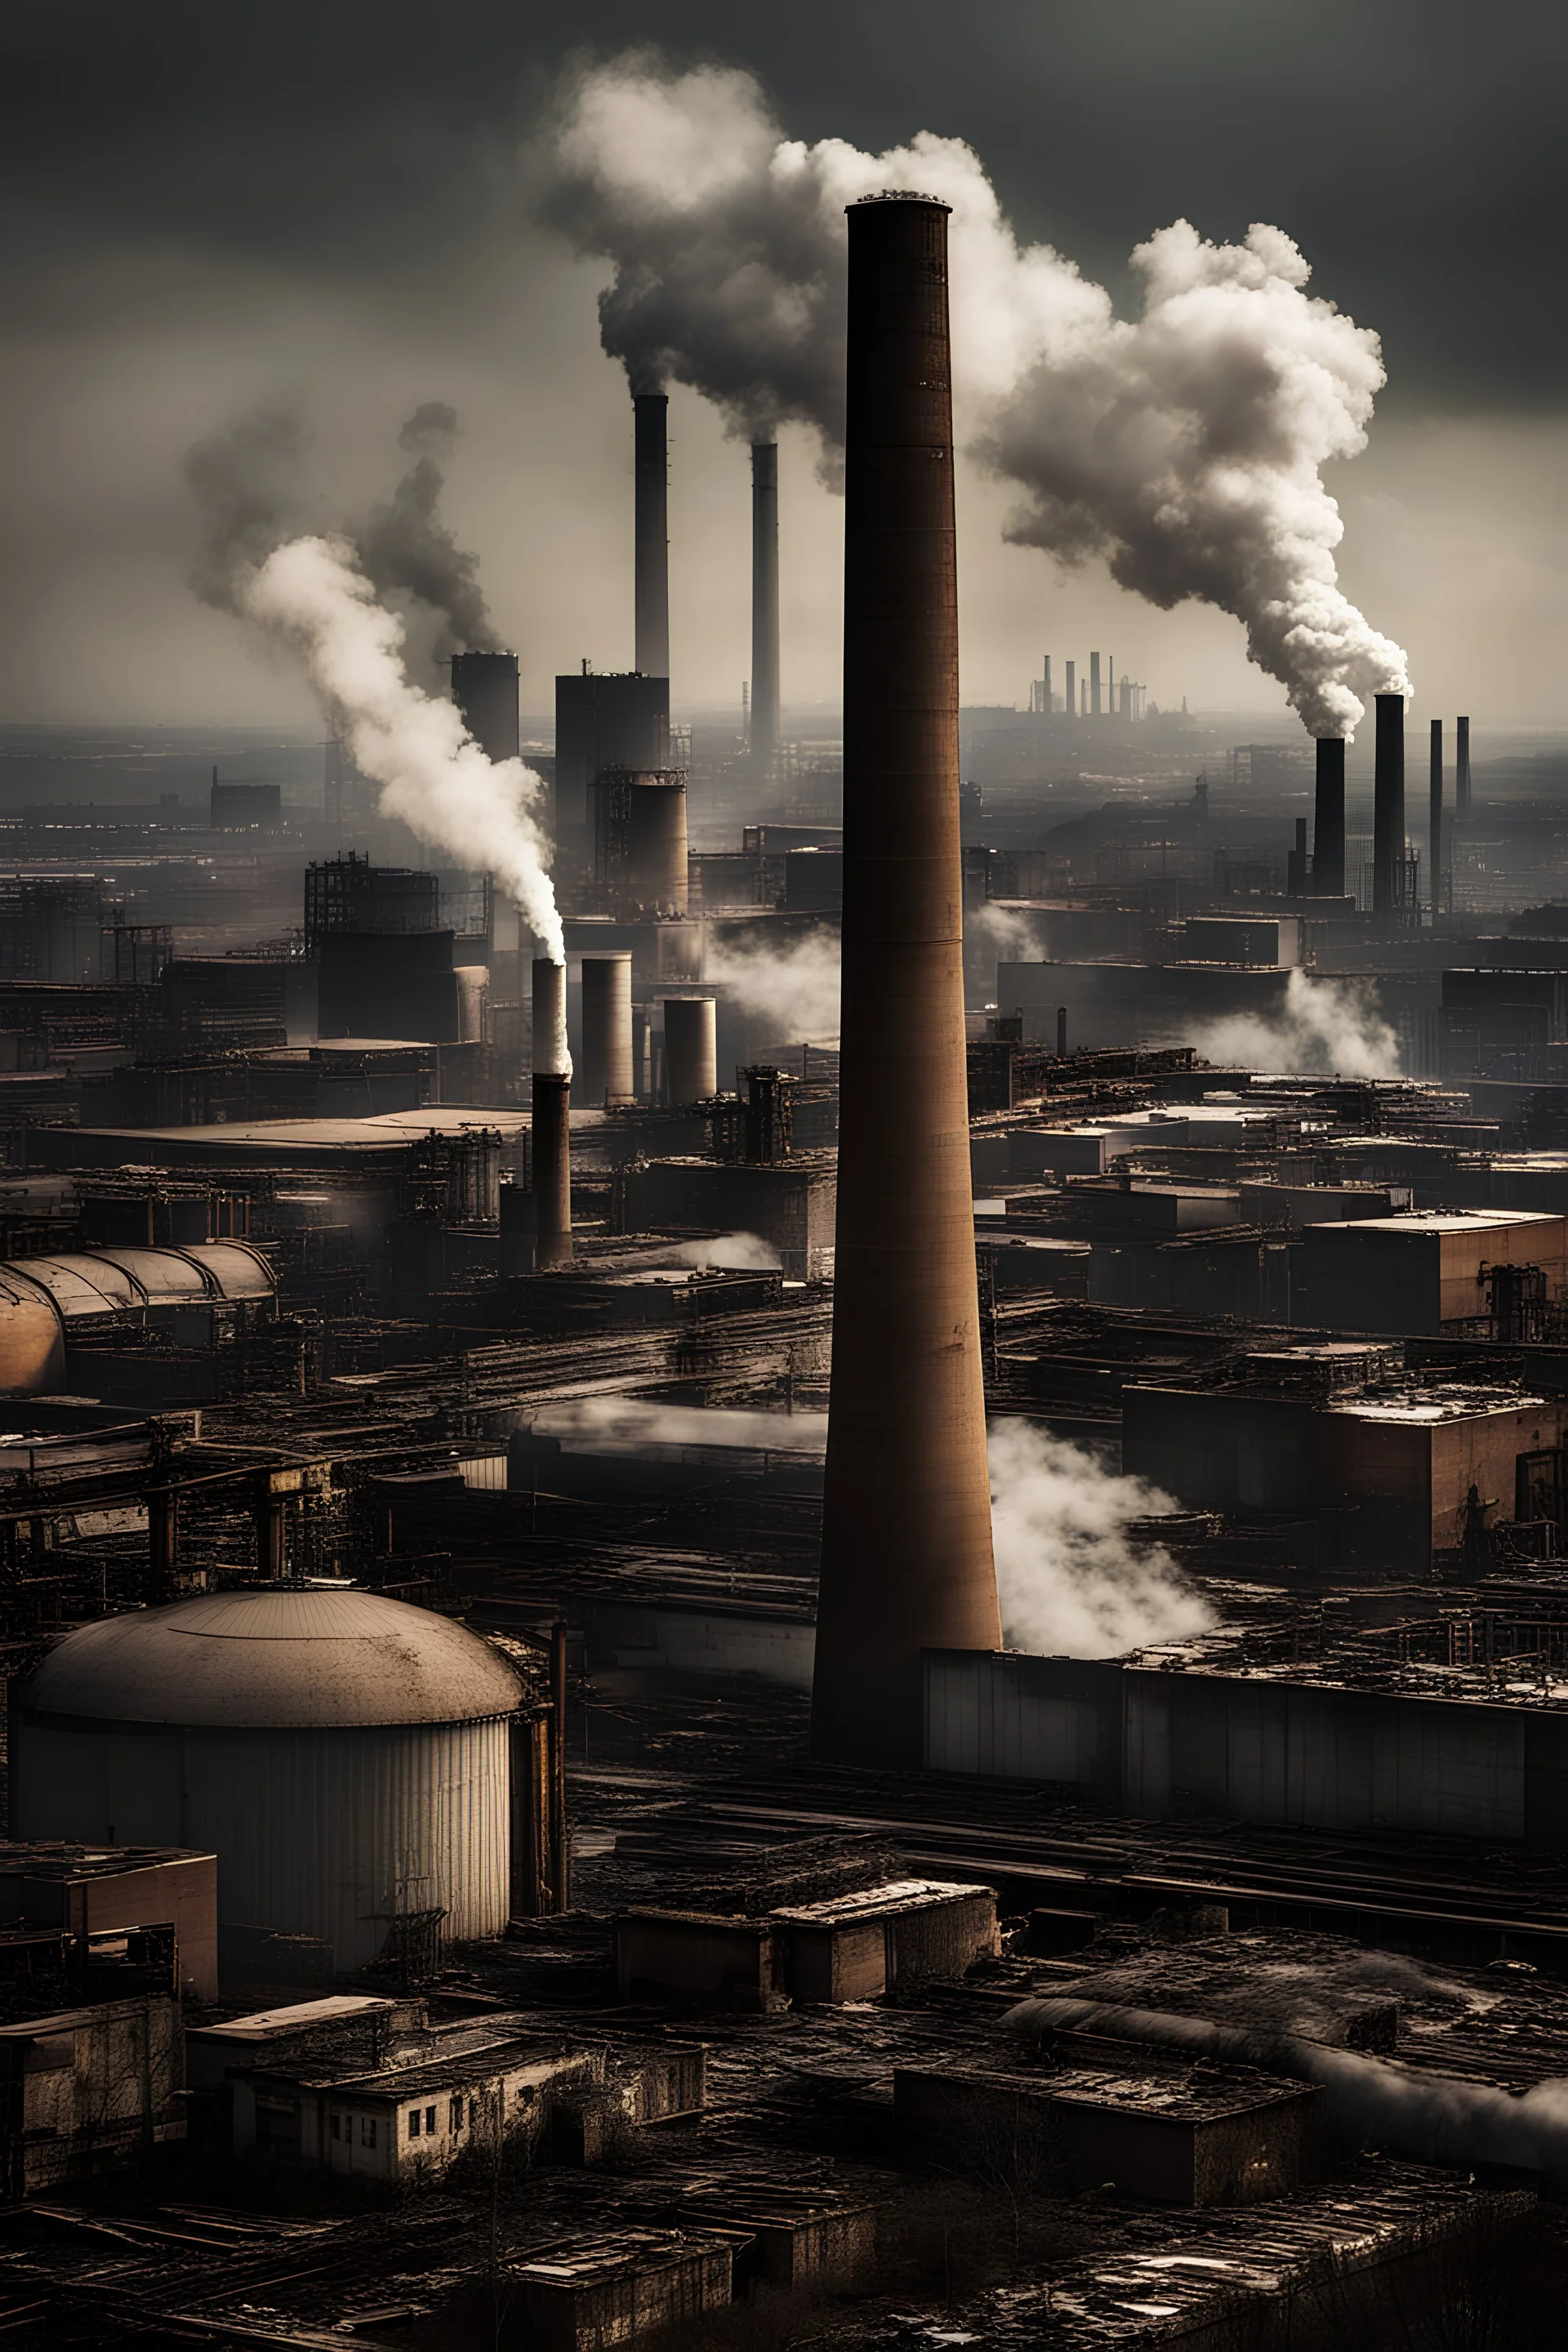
[[405, 545], [245, 483]]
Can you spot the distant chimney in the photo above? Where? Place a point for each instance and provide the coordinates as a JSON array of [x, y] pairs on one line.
[[1435, 819], [1329, 820], [1072, 698], [552, 1137], [1094, 710], [1461, 769], [1045, 687], [651, 412], [764, 604], [1388, 808], [906, 1537]]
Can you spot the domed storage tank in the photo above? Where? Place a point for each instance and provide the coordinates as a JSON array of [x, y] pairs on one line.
[[344, 1756]]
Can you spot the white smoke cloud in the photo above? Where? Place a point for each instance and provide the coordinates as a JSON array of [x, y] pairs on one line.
[[1326, 1028], [795, 987], [1182, 446], [1072, 1582], [733, 1253], [434, 777]]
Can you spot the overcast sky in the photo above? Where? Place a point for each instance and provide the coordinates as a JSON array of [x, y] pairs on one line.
[[214, 202]]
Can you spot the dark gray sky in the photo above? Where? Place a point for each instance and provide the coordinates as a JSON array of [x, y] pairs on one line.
[[208, 203]]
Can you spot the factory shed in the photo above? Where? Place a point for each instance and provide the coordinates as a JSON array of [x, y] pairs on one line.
[[344, 1756], [88, 1889], [1425, 1274], [857, 1946], [593, 2293], [1190, 2137]]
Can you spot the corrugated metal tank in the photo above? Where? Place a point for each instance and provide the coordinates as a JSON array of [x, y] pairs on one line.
[[344, 1756]]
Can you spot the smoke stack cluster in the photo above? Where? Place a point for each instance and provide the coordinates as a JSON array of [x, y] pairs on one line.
[[1329, 820], [906, 1546], [551, 1114], [651, 415], [764, 604]]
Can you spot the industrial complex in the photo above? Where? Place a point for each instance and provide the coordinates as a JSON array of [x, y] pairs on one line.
[[688, 1668]]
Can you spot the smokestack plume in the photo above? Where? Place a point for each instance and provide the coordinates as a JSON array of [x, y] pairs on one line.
[[764, 604], [1388, 807], [1329, 820], [906, 1558], [650, 416], [551, 1114], [1436, 817], [1462, 768]]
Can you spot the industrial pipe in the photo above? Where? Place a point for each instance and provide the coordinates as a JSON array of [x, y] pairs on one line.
[[552, 1137], [1388, 808], [764, 604], [651, 517], [1328, 878], [906, 1545]]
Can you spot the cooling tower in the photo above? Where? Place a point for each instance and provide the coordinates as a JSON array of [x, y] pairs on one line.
[[764, 604], [651, 471], [1388, 808], [906, 1546], [551, 1113], [1329, 820], [606, 1076]]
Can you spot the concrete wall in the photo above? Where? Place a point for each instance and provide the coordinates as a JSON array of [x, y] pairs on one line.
[[1034, 1719]]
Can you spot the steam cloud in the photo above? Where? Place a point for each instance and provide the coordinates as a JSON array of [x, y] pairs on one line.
[[734, 1253], [1184, 446], [796, 987], [1072, 1582], [310, 594], [406, 546], [1326, 1026]]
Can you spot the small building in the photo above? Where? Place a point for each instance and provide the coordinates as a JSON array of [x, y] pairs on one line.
[[1431, 1272], [792, 1204], [87, 2087], [857, 1946], [1179, 2136], [593, 2293], [813, 2240], [86, 1889], [708, 1959]]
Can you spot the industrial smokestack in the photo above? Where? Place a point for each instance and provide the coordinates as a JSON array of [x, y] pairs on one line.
[[1461, 769], [1436, 817], [764, 604], [1329, 820], [690, 1050], [650, 413], [906, 1541], [551, 1110], [484, 687], [1094, 710], [1388, 808], [1046, 702], [607, 1073], [1069, 702]]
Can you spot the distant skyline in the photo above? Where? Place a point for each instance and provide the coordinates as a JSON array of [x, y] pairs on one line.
[[212, 208]]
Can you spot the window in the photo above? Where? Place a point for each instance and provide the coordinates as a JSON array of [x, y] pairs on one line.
[[337, 2125], [367, 2131], [430, 2119], [413, 2123], [455, 2123]]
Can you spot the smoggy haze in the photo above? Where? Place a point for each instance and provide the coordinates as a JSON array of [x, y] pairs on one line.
[[213, 214]]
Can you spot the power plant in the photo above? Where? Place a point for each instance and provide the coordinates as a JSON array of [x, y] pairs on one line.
[[783, 1523]]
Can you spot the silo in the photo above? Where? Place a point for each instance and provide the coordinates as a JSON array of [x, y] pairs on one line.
[[607, 1073], [345, 1756], [656, 843], [690, 1050]]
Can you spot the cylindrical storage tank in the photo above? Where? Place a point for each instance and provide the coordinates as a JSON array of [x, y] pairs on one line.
[[655, 844], [606, 1075], [345, 1758], [690, 1050]]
